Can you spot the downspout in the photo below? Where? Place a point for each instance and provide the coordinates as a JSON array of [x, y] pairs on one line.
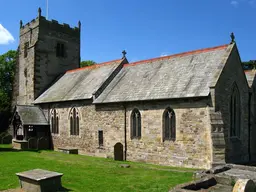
[[125, 135], [249, 126]]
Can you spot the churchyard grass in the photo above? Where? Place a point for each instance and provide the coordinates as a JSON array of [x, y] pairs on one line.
[[84, 173]]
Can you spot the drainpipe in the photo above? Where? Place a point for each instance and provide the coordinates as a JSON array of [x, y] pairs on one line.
[[125, 136], [249, 125]]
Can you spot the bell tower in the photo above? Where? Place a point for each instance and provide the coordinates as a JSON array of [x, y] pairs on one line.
[[46, 50]]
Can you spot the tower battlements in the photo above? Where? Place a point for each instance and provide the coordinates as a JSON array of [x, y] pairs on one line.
[[50, 25]]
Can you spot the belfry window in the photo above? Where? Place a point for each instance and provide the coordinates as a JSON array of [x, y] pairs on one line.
[[235, 112], [169, 125], [54, 121], [74, 122], [60, 50], [135, 124]]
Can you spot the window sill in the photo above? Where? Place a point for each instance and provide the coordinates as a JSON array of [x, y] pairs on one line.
[[101, 147], [135, 138]]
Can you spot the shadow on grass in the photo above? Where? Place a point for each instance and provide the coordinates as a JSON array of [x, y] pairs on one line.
[[18, 150], [63, 189]]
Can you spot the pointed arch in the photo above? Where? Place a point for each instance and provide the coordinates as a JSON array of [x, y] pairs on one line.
[[74, 121], [135, 124], [54, 121], [235, 112], [169, 124]]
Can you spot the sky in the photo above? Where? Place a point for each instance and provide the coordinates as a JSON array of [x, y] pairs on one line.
[[144, 28]]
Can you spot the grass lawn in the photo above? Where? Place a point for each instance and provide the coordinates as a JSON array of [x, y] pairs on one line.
[[83, 173]]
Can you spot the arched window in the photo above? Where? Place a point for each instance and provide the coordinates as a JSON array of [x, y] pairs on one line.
[[55, 121], [169, 125], [135, 124], [74, 122], [235, 112]]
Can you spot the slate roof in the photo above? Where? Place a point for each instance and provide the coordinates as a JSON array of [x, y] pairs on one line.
[[31, 115], [250, 76], [189, 74], [79, 83]]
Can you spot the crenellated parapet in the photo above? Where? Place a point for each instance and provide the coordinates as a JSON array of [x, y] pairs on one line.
[[49, 25]]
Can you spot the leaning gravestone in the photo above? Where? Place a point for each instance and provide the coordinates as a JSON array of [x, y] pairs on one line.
[[39, 180]]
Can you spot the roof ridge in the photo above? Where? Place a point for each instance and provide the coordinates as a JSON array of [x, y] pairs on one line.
[[177, 55], [93, 66]]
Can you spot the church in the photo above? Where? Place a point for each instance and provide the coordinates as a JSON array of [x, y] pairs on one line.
[[194, 109]]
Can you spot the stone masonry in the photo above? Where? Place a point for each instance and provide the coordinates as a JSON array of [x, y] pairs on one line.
[[192, 147], [36, 71]]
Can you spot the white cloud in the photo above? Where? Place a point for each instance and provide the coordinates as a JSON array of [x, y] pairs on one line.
[[163, 54], [5, 36], [234, 3]]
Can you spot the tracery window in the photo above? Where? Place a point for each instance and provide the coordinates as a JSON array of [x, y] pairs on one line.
[[235, 112], [135, 124], [74, 122], [169, 125], [54, 122]]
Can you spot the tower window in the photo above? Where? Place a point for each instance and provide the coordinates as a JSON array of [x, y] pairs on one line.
[[26, 49], [60, 50], [100, 137]]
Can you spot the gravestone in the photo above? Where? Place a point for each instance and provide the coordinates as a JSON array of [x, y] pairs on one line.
[[39, 180], [118, 152], [244, 185]]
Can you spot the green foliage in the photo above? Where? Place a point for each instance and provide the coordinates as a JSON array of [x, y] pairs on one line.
[[248, 65], [83, 173], [7, 65], [87, 63]]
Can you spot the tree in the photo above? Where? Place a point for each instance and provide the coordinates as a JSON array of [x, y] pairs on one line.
[[7, 65], [249, 65], [87, 63]]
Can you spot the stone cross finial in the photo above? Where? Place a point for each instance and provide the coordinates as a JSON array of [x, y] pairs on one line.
[[79, 24], [124, 53], [21, 23], [232, 37], [39, 12]]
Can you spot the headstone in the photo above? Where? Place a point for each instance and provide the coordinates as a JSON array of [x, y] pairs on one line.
[[244, 185], [118, 152], [39, 180], [125, 166]]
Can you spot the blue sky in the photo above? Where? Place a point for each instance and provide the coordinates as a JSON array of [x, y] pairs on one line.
[[144, 28]]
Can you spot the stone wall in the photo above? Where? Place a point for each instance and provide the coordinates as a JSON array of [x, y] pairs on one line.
[[236, 148], [253, 122], [91, 119], [192, 147], [25, 72]]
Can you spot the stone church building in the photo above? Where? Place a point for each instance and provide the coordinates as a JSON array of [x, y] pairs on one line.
[[193, 109]]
